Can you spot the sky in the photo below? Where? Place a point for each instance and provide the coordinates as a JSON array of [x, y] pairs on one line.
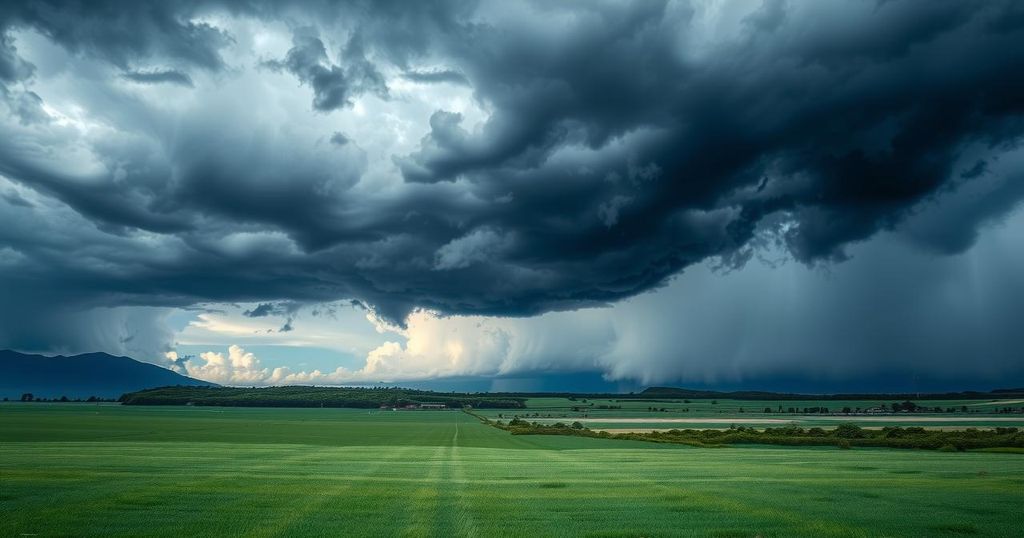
[[813, 196]]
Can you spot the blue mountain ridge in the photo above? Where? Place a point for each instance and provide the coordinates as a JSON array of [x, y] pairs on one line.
[[82, 376]]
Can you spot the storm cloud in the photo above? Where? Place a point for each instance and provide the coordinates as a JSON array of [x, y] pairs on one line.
[[333, 86], [498, 159], [158, 76]]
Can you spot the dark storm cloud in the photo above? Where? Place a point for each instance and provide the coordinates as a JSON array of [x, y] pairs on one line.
[[123, 32], [768, 17], [339, 139], [622, 143], [286, 310], [12, 67], [272, 309], [262, 309], [27, 107], [12, 197], [852, 128], [333, 86], [954, 227], [13, 70], [436, 76], [158, 76]]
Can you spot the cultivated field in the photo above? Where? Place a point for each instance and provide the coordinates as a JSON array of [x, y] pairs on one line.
[[87, 470]]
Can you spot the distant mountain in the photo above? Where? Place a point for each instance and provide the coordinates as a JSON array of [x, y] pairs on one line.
[[81, 376]]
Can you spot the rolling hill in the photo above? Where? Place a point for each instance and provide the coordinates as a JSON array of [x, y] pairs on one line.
[[81, 376]]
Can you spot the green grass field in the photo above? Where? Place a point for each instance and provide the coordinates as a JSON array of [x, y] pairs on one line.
[[86, 470]]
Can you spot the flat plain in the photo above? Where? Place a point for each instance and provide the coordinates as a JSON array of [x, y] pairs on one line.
[[102, 470]]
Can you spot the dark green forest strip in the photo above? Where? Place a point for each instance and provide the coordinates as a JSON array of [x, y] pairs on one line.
[[351, 397]]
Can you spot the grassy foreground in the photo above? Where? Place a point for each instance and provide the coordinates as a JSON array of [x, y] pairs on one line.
[[83, 470]]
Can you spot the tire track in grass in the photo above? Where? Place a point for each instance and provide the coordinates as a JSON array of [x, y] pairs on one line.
[[462, 511], [440, 507], [446, 513], [424, 503]]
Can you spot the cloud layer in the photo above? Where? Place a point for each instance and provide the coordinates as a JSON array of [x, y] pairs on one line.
[[487, 160]]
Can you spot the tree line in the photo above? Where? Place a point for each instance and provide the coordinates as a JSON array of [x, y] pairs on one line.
[[29, 397], [304, 396]]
